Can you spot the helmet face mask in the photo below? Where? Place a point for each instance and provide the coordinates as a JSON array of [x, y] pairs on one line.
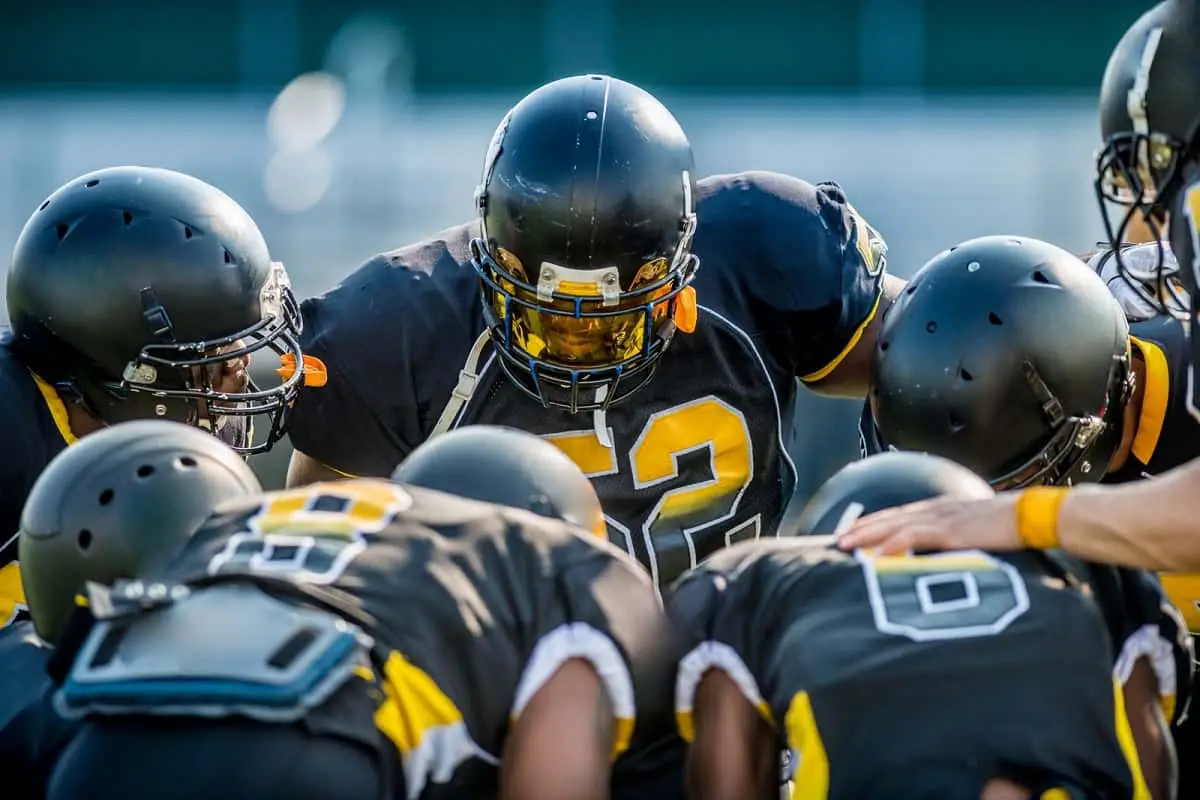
[[182, 380], [566, 335], [584, 257]]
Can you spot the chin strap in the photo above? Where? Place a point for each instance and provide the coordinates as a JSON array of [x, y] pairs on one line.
[[464, 390]]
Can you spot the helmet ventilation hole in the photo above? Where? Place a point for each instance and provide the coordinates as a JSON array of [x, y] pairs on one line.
[[127, 217], [84, 539], [44, 206], [187, 461], [106, 497], [228, 258], [187, 232], [62, 230], [992, 318], [966, 376], [884, 345], [1040, 277], [931, 327], [145, 471], [956, 424], [93, 183]]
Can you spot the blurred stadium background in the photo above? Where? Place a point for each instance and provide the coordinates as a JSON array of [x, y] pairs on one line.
[[348, 127]]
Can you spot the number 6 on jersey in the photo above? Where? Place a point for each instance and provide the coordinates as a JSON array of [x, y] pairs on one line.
[[943, 595]]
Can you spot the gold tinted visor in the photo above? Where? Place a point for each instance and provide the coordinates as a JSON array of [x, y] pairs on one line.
[[570, 330]]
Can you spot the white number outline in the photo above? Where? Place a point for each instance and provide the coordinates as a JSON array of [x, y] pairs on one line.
[[262, 563], [614, 468], [924, 581]]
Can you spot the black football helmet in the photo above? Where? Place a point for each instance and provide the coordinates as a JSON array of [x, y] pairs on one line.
[[508, 467], [122, 501], [1009, 356], [1148, 122], [884, 481], [130, 287], [586, 228]]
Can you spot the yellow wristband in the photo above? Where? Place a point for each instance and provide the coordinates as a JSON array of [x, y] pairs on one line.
[[1037, 516]]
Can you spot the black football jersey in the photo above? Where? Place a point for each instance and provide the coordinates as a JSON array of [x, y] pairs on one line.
[[476, 605], [926, 676], [789, 277], [31, 732]]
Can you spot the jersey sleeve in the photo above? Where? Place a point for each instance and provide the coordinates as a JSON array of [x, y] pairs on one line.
[[390, 337], [602, 607], [1147, 625], [715, 620], [819, 268]]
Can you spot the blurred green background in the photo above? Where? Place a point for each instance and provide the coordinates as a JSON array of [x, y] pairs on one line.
[[351, 127], [937, 46]]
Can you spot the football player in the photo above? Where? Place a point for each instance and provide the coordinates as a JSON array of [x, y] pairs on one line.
[[1148, 524], [362, 638], [997, 676], [176, 476], [649, 324], [135, 293]]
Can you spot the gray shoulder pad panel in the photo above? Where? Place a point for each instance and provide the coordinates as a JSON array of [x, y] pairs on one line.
[[224, 650]]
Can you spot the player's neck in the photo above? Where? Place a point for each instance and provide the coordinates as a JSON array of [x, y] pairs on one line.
[[1133, 413], [81, 422]]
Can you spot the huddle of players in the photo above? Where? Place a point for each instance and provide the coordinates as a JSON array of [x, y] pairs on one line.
[[461, 631], [361, 622]]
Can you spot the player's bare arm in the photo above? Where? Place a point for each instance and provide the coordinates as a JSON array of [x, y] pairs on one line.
[[561, 744], [304, 469], [1150, 732], [851, 376], [1146, 525], [735, 753]]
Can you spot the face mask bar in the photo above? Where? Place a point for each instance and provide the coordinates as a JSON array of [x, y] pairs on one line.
[[607, 383], [1135, 172], [175, 371]]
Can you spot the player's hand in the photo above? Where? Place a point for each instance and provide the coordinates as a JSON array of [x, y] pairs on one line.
[[940, 524]]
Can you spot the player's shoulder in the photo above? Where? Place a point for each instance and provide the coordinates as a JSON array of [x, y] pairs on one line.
[[765, 203], [754, 562], [430, 283]]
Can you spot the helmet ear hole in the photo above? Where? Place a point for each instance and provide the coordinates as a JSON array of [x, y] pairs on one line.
[[84, 539], [187, 461], [145, 471], [107, 496]]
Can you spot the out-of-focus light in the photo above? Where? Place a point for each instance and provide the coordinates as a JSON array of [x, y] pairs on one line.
[[306, 111], [297, 180]]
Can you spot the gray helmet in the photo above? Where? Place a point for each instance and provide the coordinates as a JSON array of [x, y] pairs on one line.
[[507, 467], [884, 481], [122, 501]]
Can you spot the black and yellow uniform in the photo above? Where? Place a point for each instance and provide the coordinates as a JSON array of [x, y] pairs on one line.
[[35, 430], [1167, 437], [790, 275], [471, 607], [959, 667]]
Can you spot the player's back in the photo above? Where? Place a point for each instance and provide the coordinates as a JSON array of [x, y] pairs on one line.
[[947, 669], [475, 606]]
